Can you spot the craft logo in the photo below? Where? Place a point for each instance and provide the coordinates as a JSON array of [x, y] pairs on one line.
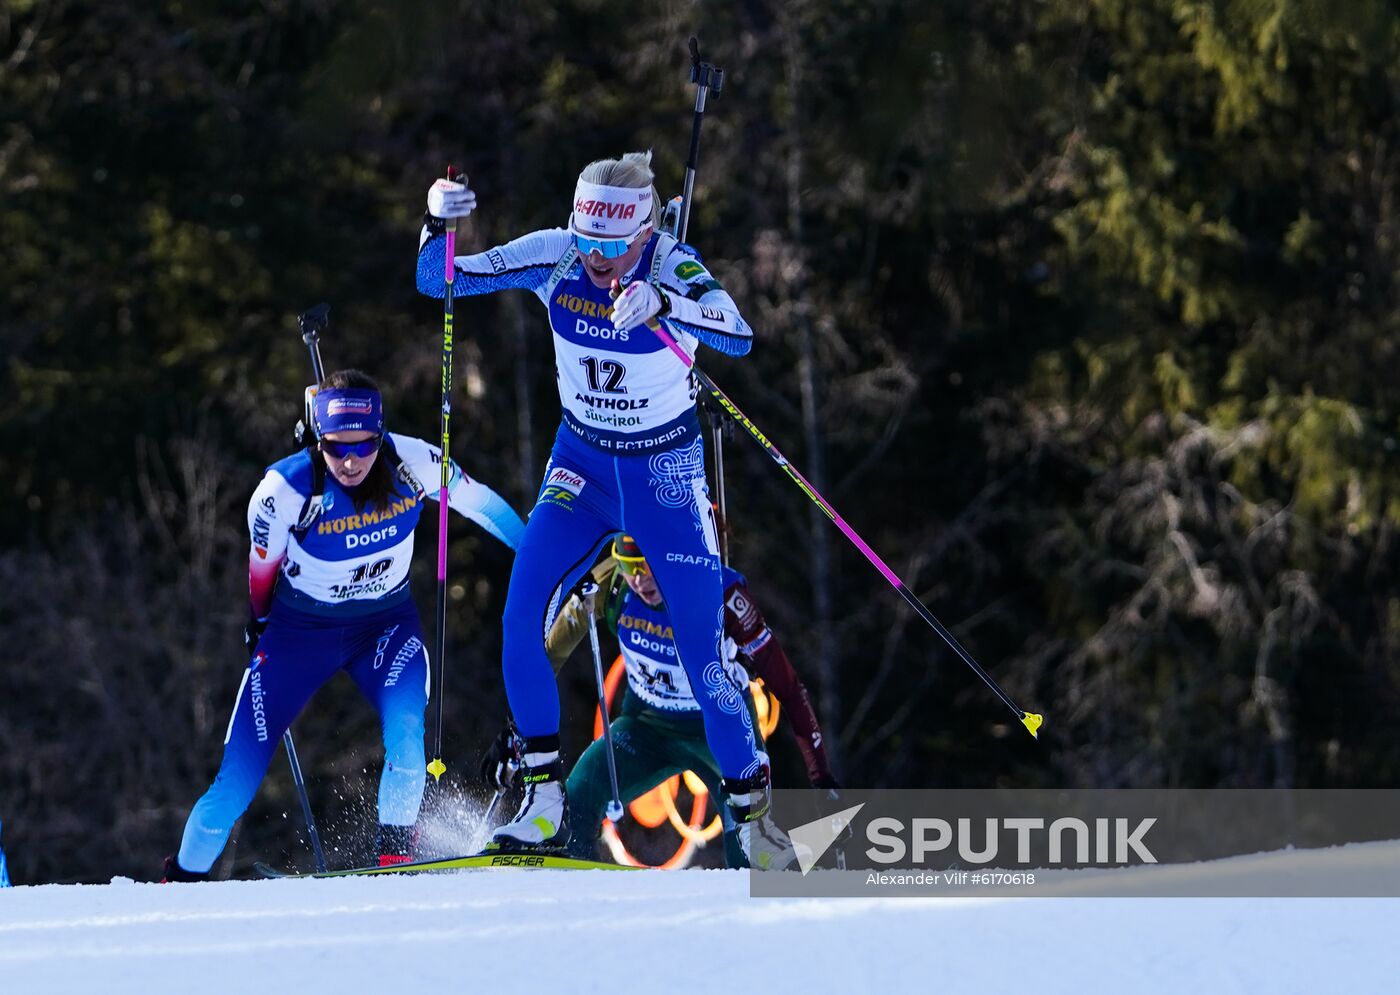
[[708, 562]]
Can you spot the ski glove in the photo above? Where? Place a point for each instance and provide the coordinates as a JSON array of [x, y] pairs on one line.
[[640, 302], [252, 632], [502, 758], [450, 199]]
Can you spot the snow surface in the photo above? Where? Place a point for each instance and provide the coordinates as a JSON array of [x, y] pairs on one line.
[[686, 931]]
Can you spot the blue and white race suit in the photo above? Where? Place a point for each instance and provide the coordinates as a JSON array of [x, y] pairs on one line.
[[336, 598], [628, 457]]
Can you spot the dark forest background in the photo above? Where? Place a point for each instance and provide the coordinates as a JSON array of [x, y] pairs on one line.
[[1082, 312]]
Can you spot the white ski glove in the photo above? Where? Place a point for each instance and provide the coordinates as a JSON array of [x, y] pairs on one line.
[[733, 666], [640, 302], [451, 199]]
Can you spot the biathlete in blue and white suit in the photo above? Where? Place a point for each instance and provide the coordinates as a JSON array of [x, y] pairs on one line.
[[328, 586], [628, 456]]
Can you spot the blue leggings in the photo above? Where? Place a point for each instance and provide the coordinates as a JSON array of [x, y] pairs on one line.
[[383, 653], [661, 500]]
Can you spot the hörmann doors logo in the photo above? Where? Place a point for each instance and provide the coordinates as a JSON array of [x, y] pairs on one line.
[[1137, 843]]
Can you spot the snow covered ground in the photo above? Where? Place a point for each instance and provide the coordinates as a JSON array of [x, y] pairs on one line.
[[597, 931]]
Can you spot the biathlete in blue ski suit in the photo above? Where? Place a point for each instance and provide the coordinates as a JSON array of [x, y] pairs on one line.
[[628, 456], [328, 584]]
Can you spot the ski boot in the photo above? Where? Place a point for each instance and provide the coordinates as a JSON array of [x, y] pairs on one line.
[[174, 873], [764, 845], [395, 844], [543, 820]]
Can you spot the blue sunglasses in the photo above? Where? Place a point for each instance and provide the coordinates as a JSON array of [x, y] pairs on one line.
[[359, 450], [608, 248]]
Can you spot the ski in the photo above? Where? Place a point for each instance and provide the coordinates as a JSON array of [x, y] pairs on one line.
[[480, 861]]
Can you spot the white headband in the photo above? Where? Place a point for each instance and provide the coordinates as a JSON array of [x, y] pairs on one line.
[[610, 212]]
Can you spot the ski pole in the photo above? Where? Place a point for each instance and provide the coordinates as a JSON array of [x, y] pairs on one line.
[[436, 767], [310, 323], [708, 78], [1030, 720], [589, 590], [717, 425], [305, 801], [484, 823]]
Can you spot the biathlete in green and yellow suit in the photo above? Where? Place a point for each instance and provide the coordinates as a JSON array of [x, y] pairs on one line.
[[660, 732]]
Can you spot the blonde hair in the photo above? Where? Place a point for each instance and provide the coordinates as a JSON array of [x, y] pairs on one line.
[[632, 170]]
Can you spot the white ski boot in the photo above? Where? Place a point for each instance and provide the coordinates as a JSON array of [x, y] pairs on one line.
[[542, 823], [764, 845]]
